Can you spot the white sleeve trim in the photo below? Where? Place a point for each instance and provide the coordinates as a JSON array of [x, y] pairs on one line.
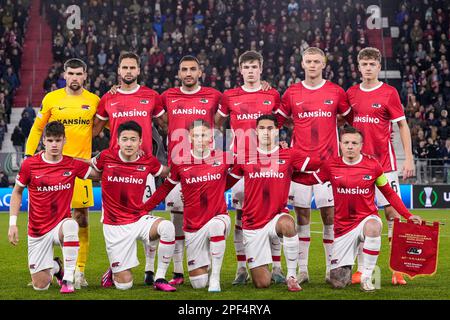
[[305, 164], [317, 178], [20, 184], [346, 112], [101, 118], [398, 119], [172, 181], [159, 114], [235, 176], [159, 171], [87, 173], [282, 113], [222, 114]]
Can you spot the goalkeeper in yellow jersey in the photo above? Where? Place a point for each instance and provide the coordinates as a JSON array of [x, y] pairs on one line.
[[75, 107]]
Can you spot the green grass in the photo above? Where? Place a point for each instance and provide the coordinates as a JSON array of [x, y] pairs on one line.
[[14, 275]]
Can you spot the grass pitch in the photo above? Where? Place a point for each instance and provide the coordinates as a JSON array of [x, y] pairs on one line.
[[14, 275]]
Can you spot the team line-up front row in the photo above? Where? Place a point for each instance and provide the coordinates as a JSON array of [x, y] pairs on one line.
[[204, 174]]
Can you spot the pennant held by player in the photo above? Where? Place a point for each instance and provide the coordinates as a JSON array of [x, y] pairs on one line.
[[415, 248]]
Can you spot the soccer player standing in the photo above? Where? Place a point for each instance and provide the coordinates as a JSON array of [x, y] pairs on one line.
[[140, 104], [314, 105], [353, 178], [267, 173], [183, 105], [75, 108], [376, 108], [50, 179], [124, 176], [244, 105], [202, 174]]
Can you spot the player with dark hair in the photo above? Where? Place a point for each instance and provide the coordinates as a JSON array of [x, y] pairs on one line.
[[50, 178], [124, 176], [244, 105], [353, 178], [376, 108], [132, 101], [183, 105], [206, 223], [267, 172], [74, 107]]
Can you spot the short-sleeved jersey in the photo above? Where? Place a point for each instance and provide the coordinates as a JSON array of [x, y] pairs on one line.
[[314, 112], [140, 105], [374, 112], [267, 178], [353, 190], [50, 189], [76, 113], [203, 183], [184, 108], [244, 107], [124, 185]]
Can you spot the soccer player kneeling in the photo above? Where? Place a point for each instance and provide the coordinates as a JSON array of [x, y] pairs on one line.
[[124, 178], [353, 178], [267, 172], [50, 179], [202, 173]]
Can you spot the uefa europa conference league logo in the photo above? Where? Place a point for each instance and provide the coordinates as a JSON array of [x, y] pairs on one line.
[[428, 191]]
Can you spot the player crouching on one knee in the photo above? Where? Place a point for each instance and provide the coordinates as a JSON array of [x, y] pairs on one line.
[[353, 178], [202, 173], [50, 179], [267, 171], [124, 176]]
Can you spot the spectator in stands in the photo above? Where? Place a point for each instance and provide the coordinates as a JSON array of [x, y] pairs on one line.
[[5, 108], [434, 153], [445, 154], [3, 130], [4, 181], [421, 155], [25, 124], [18, 141], [30, 110], [12, 78], [99, 143]]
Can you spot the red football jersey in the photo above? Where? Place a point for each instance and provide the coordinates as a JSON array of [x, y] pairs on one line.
[[50, 190], [140, 105], [375, 111], [314, 112], [244, 107], [353, 190], [267, 178], [125, 185], [203, 183], [182, 109]]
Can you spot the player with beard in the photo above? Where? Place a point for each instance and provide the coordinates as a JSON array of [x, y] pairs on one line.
[[132, 101], [183, 105], [74, 107]]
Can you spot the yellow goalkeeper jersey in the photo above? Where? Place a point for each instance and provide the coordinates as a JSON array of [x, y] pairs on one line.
[[75, 112]]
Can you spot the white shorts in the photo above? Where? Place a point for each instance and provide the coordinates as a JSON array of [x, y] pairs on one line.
[[257, 243], [394, 183], [300, 195], [173, 199], [120, 242], [197, 244], [237, 195], [40, 250], [345, 247]]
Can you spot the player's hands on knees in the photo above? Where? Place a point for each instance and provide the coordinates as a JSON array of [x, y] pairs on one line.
[[265, 86], [13, 235], [114, 89], [416, 219]]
